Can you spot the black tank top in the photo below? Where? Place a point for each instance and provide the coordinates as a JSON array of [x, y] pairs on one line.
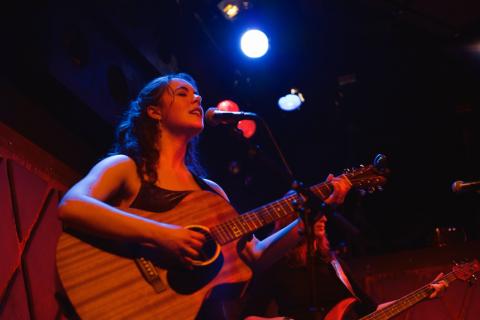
[[155, 199]]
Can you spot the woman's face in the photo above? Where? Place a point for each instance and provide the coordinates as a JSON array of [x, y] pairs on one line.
[[181, 108], [319, 227]]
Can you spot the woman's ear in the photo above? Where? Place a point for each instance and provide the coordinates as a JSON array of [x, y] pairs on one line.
[[154, 112]]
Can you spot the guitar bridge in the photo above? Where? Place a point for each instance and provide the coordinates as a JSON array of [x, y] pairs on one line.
[[150, 274]]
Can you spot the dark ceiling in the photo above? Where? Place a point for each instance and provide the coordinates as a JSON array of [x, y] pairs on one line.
[[70, 69]]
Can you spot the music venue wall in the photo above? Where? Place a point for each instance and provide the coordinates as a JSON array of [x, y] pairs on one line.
[[31, 184], [61, 66]]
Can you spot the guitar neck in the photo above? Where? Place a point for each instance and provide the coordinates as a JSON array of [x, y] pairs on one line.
[[406, 302], [250, 221]]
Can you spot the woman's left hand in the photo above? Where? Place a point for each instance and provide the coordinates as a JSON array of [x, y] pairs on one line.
[[438, 287], [341, 186]]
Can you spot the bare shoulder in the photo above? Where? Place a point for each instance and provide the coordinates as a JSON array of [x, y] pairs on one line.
[[217, 188], [118, 167], [112, 175], [118, 162]]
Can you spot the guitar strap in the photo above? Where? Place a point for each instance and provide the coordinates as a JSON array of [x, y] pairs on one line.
[[341, 275]]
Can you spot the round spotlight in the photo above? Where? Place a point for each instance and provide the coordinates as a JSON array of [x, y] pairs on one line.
[[254, 43], [289, 102], [228, 105]]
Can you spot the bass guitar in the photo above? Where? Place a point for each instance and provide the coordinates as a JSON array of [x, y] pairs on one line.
[[465, 272]]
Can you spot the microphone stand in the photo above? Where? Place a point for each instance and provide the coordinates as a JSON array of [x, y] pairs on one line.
[[308, 210], [309, 207]]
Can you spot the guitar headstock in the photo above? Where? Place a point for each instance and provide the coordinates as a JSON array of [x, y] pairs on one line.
[[371, 177], [467, 271]]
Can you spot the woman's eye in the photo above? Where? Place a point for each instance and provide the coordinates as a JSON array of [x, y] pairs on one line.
[[182, 94]]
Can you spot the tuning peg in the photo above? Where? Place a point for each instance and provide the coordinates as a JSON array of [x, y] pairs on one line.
[[380, 188], [371, 189], [297, 205]]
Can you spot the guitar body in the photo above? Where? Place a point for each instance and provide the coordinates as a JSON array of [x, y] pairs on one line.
[[103, 281], [341, 311]]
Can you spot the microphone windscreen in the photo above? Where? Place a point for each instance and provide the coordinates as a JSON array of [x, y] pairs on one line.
[[457, 186], [210, 117]]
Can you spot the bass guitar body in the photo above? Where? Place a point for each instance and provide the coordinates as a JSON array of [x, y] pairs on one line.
[[342, 310]]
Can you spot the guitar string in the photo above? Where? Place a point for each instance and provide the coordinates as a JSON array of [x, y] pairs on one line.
[[227, 228], [235, 228], [253, 218], [406, 301]]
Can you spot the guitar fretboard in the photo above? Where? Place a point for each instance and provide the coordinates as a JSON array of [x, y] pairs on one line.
[[406, 302], [259, 217]]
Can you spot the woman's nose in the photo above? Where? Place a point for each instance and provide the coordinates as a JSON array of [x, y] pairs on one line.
[[197, 97]]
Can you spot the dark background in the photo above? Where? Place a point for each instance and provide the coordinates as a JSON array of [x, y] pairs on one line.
[[69, 69]]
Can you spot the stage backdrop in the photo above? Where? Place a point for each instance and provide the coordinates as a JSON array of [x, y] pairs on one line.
[[390, 277], [32, 182]]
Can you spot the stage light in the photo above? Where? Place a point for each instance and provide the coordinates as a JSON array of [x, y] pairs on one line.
[[248, 127], [229, 8], [254, 43], [228, 105], [291, 101]]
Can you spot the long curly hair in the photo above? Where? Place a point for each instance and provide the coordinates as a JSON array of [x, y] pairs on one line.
[[297, 256], [136, 133]]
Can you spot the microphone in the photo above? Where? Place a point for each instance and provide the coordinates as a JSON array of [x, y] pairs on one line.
[[460, 186], [213, 116]]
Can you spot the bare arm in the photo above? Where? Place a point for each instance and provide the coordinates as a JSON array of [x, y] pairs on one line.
[[261, 254], [88, 206], [438, 287]]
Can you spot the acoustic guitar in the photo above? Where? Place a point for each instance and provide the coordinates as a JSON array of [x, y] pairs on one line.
[[465, 272], [105, 279]]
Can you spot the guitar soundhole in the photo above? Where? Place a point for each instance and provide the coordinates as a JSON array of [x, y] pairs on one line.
[[186, 281], [206, 268], [210, 249]]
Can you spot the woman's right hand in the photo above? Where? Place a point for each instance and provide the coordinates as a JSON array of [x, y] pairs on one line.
[[182, 243]]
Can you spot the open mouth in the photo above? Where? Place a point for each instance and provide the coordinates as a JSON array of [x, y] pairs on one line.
[[197, 112]]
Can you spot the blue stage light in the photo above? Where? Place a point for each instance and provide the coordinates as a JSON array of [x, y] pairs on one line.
[[254, 43]]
